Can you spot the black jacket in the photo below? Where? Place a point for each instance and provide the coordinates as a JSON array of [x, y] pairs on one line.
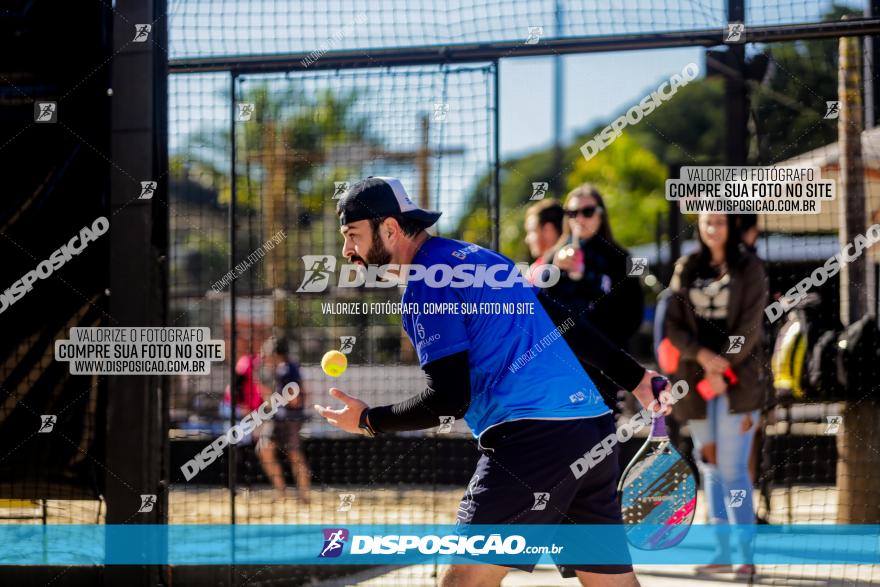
[[745, 317], [607, 297]]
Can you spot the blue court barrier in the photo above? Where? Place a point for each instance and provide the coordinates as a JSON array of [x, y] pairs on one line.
[[425, 544]]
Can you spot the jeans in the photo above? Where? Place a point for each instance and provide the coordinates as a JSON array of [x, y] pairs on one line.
[[727, 485]]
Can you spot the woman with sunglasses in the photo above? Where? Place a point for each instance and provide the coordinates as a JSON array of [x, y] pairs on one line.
[[595, 282]]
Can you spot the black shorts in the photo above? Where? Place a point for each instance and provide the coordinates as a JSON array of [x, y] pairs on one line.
[[284, 433], [524, 477]]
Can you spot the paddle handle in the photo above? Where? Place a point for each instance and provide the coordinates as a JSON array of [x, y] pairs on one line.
[[658, 421]]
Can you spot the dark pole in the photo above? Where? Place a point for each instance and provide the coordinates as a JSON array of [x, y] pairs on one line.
[[674, 228], [859, 503], [558, 107], [872, 95], [871, 51], [233, 399], [736, 104], [658, 242], [496, 176], [136, 427], [851, 181]]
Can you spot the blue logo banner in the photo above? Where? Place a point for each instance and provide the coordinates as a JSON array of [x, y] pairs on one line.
[[425, 544]]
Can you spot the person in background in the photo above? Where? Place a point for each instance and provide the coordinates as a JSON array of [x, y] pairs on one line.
[[283, 430], [715, 320], [595, 281], [543, 230], [749, 231], [248, 391]]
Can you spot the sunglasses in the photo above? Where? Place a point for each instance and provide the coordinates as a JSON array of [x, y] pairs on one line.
[[586, 212]]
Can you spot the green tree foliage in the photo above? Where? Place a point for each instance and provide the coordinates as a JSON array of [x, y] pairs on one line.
[[788, 106], [687, 129], [309, 126], [621, 169], [517, 176]]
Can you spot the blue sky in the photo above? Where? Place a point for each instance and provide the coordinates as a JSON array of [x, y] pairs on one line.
[[597, 86]]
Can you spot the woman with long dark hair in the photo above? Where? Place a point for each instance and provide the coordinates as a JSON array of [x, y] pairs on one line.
[[595, 282], [715, 320]]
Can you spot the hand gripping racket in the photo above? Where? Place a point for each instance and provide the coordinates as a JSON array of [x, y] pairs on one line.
[[658, 491]]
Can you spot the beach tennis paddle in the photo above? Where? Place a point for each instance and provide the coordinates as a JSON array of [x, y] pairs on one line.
[[658, 491]]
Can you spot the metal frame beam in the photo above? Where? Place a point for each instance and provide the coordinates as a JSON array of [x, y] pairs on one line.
[[471, 52]]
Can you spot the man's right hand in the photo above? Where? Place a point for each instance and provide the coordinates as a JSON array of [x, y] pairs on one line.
[[645, 394], [346, 418]]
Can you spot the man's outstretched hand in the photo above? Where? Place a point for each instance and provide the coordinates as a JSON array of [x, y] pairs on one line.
[[347, 418], [645, 394]]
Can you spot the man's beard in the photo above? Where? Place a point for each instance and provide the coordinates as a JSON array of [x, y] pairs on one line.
[[378, 254]]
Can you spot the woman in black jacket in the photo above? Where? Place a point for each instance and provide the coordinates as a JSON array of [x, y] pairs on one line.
[[595, 281]]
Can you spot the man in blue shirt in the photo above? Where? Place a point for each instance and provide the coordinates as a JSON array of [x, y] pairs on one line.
[[492, 355]]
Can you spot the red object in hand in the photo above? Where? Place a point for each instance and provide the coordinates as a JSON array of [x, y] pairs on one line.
[[730, 377], [668, 356], [705, 390], [578, 271]]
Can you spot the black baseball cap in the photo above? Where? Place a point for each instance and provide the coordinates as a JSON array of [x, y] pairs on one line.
[[379, 197]]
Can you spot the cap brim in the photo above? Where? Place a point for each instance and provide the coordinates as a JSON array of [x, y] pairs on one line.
[[426, 217]]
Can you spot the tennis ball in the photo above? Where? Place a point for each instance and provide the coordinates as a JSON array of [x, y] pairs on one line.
[[334, 363]]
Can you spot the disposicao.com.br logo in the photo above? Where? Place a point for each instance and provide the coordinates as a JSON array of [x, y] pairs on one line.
[[320, 269], [334, 542], [449, 544]]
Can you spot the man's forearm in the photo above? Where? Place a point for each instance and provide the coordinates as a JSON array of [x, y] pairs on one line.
[[592, 347], [448, 393]]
